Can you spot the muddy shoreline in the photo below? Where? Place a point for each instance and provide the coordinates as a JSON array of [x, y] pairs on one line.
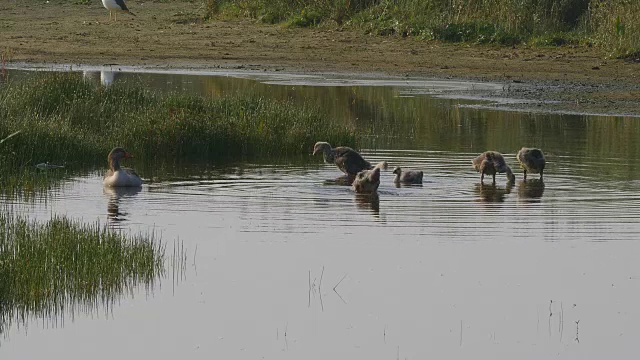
[[170, 36]]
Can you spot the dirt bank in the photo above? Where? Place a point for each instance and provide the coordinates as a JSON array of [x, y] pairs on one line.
[[170, 34]]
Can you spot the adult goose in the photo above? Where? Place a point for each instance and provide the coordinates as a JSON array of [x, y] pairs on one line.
[[346, 159], [118, 176], [491, 163], [531, 160], [408, 176]]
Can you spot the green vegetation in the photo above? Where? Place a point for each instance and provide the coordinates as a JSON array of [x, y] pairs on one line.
[[61, 265], [64, 119], [613, 25]]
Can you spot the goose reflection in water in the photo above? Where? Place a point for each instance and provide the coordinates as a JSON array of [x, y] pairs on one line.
[[115, 194], [492, 193], [368, 202], [531, 190]]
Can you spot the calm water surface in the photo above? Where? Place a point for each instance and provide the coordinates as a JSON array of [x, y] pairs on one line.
[[283, 263]]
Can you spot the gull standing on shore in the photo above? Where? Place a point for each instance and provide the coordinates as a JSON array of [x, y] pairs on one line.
[[116, 6]]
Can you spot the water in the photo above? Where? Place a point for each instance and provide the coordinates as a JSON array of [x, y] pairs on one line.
[[283, 263]]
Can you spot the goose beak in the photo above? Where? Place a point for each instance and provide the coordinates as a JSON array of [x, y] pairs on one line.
[[128, 155]]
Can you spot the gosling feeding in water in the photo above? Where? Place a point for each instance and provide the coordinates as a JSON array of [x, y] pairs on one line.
[[408, 176], [118, 176], [531, 160], [346, 159], [491, 163]]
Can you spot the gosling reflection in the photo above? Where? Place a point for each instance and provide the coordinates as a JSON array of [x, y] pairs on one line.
[[406, 185], [115, 194], [493, 193], [368, 202], [531, 189]]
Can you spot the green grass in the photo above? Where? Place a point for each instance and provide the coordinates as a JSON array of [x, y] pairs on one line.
[[613, 25], [48, 268], [616, 26], [65, 120]]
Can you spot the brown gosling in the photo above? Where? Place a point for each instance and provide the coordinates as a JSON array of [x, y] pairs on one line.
[[491, 163], [368, 181], [408, 176], [346, 159], [531, 160]]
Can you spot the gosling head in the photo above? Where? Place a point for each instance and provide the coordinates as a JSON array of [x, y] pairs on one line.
[[321, 146], [397, 170], [511, 176]]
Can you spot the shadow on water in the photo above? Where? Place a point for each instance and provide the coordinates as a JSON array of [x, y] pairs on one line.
[[531, 190], [492, 192], [343, 180], [115, 195]]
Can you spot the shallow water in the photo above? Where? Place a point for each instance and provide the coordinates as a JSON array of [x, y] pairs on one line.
[[283, 263]]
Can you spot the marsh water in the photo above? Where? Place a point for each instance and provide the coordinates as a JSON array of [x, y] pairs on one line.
[[283, 263]]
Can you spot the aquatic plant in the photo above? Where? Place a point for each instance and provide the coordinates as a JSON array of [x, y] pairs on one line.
[[63, 265]]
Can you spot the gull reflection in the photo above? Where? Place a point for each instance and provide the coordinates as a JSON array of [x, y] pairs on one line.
[[107, 77], [90, 75], [114, 214]]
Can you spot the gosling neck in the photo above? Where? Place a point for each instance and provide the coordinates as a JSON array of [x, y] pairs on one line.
[[510, 175]]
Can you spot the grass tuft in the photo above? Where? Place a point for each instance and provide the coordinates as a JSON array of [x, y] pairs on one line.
[[47, 268]]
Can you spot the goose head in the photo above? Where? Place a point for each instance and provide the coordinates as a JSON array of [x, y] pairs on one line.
[[116, 155], [321, 146]]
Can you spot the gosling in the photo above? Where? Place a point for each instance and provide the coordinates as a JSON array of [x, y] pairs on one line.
[[407, 177]]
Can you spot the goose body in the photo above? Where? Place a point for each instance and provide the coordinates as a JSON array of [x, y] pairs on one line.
[[115, 6], [531, 160], [492, 163], [118, 176], [408, 177], [345, 158]]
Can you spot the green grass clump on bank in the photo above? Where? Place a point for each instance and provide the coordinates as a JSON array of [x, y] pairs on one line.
[[612, 24], [64, 119], [47, 268], [616, 26]]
